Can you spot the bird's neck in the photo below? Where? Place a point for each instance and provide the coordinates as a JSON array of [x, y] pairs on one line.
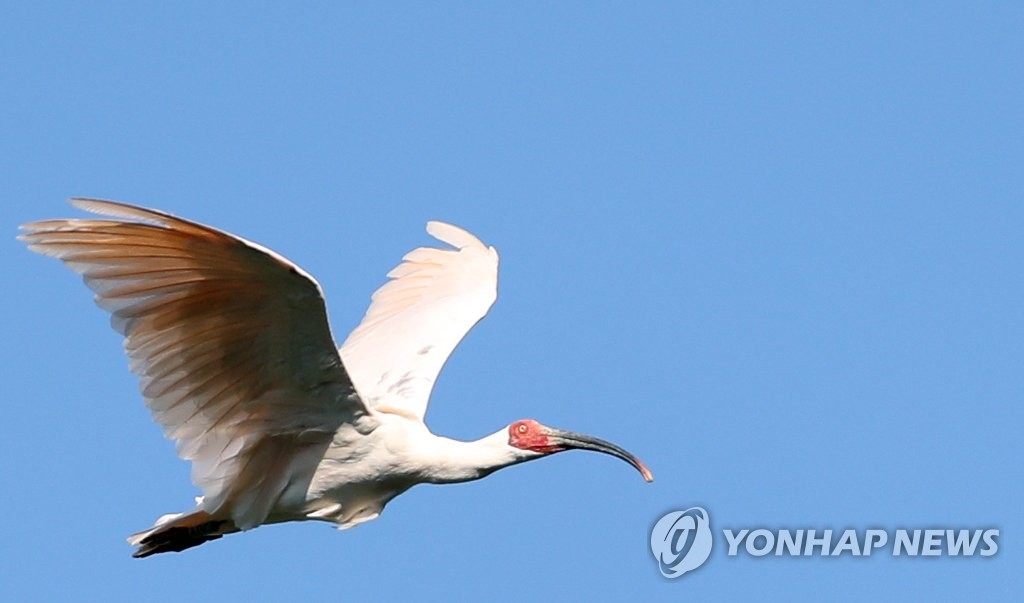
[[453, 461]]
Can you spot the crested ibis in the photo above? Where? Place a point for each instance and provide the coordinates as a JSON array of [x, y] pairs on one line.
[[237, 363]]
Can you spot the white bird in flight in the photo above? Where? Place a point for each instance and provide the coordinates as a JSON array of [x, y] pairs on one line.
[[237, 364]]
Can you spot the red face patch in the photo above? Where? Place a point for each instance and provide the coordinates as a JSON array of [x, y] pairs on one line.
[[528, 434]]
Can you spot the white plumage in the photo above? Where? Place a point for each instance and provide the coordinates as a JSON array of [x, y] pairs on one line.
[[237, 363], [416, 319]]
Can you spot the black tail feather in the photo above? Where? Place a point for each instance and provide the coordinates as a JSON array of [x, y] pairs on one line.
[[177, 539]]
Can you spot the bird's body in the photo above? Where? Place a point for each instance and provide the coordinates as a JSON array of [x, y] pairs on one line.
[[360, 473], [237, 363]]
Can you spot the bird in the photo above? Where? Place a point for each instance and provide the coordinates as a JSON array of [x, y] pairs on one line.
[[237, 364]]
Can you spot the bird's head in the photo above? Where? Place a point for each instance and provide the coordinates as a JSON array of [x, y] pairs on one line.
[[527, 434]]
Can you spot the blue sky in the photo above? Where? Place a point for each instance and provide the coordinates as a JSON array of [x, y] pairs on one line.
[[774, 251]]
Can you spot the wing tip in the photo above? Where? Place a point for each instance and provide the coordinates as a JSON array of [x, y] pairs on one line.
[[455, 236], [101, 207], [94, 205], [125, 211]]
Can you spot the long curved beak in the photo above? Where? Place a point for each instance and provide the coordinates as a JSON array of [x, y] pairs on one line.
[[568, 439]]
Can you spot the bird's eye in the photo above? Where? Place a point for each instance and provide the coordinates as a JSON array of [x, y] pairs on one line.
[[522, 428]]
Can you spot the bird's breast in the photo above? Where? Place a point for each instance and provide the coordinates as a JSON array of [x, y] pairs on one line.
[[360, 472]]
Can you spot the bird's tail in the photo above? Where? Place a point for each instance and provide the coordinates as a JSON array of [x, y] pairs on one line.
[[177, 532]]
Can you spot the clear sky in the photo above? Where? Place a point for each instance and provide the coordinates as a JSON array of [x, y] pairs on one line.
[[773, 251]]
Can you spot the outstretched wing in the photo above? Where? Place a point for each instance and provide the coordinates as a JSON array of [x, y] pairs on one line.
[[231, 343], [416, 319]]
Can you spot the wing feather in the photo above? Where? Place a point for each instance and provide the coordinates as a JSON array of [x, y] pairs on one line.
[[417, 318], [229, 339]]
